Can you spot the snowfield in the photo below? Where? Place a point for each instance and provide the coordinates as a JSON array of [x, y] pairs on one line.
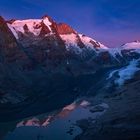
[[125, 73]]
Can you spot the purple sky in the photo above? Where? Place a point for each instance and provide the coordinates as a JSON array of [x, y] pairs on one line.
[[112, 22]]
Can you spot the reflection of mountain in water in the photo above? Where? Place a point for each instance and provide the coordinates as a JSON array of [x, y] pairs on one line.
[[62, 124]]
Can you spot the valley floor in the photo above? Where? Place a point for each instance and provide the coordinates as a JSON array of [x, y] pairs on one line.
[[121, 121], [104, 116]]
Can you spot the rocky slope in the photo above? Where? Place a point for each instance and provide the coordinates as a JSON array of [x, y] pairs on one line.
[[121, 120]]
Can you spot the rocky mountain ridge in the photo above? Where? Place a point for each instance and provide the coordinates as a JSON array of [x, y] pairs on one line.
[[41, 60]]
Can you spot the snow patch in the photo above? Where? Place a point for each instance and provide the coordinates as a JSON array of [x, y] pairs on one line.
[[87, 42], [70, 39], [13, 31], [47, 122], [104, 105], [71, 42], [111, 74], [20, 124], [70, 107], [32, 122], [125, 73], [133, 45], [32, 24], [84, 103], [47, 23], [128, 72], [115, 51]]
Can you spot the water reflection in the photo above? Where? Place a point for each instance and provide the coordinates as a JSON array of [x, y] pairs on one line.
[[61, 125]]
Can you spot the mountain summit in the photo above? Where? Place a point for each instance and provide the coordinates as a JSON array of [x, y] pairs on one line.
[[37, 29]]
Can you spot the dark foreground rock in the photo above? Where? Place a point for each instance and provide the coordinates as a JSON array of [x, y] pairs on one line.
[[121, 121]]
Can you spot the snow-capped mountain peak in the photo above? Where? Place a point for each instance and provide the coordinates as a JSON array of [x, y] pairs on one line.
[[29, 26], [132, 45], [38, 29]]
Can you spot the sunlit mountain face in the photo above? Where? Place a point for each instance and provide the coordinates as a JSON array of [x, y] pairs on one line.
[[72, 74], [111, 22]]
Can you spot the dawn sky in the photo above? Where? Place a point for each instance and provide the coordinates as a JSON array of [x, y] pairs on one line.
[[112, 22]]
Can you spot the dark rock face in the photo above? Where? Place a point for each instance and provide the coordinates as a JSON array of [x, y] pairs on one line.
[[121, 121], [96, 44], [7, 39], [44, 30], [8, 44]]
